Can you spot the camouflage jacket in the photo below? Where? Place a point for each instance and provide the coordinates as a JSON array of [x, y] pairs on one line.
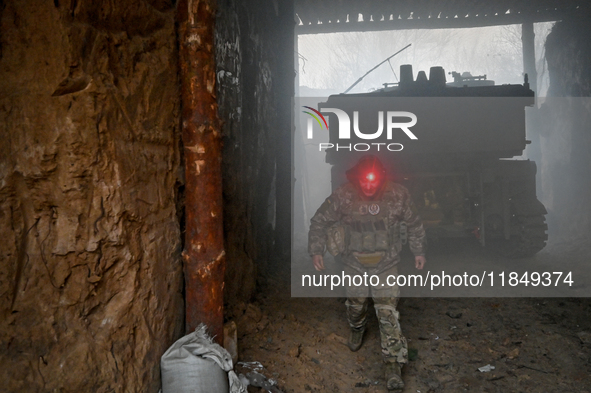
[[342, 208]]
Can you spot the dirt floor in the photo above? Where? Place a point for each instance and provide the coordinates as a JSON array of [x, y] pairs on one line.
[[534, 344]]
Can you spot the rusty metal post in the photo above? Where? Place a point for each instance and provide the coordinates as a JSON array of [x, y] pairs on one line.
[[203, 256]]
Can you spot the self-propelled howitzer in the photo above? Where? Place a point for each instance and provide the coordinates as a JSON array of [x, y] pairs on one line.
[[454, 146]]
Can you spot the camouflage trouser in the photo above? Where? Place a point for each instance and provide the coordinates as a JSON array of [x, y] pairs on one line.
[[385, 299]]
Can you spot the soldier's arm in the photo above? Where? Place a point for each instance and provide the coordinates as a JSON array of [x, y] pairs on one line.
[[416, 232], [326, 215]]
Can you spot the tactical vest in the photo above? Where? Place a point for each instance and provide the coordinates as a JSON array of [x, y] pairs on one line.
[[366, 232], [368, 229]]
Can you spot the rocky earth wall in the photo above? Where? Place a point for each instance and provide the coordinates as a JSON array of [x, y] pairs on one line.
[[90, 270], [255, 77], [564, 119]]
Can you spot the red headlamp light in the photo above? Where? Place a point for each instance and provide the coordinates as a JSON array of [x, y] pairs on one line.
[[368, 170]]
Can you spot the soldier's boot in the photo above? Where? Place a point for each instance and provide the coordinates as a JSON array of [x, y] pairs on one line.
[[355, 339], [393, 377]]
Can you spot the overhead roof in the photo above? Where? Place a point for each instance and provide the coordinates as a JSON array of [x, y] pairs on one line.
[[329, 16]]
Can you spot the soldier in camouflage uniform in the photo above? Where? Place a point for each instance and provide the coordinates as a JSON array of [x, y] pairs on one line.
[[360, 224]]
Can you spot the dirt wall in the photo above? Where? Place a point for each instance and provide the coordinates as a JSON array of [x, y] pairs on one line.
[[564, 119], [90, 271], [255, 77]]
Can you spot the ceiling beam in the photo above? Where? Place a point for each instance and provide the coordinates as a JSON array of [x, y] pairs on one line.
[[429, 23], [449, 14]]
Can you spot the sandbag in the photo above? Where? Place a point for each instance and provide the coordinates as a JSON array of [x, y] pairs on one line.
[[195, 364]]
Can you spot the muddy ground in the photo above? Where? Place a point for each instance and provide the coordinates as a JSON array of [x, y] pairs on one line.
[[535, 344]]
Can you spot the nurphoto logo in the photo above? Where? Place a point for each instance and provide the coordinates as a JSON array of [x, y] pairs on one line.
[[394, 120]]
